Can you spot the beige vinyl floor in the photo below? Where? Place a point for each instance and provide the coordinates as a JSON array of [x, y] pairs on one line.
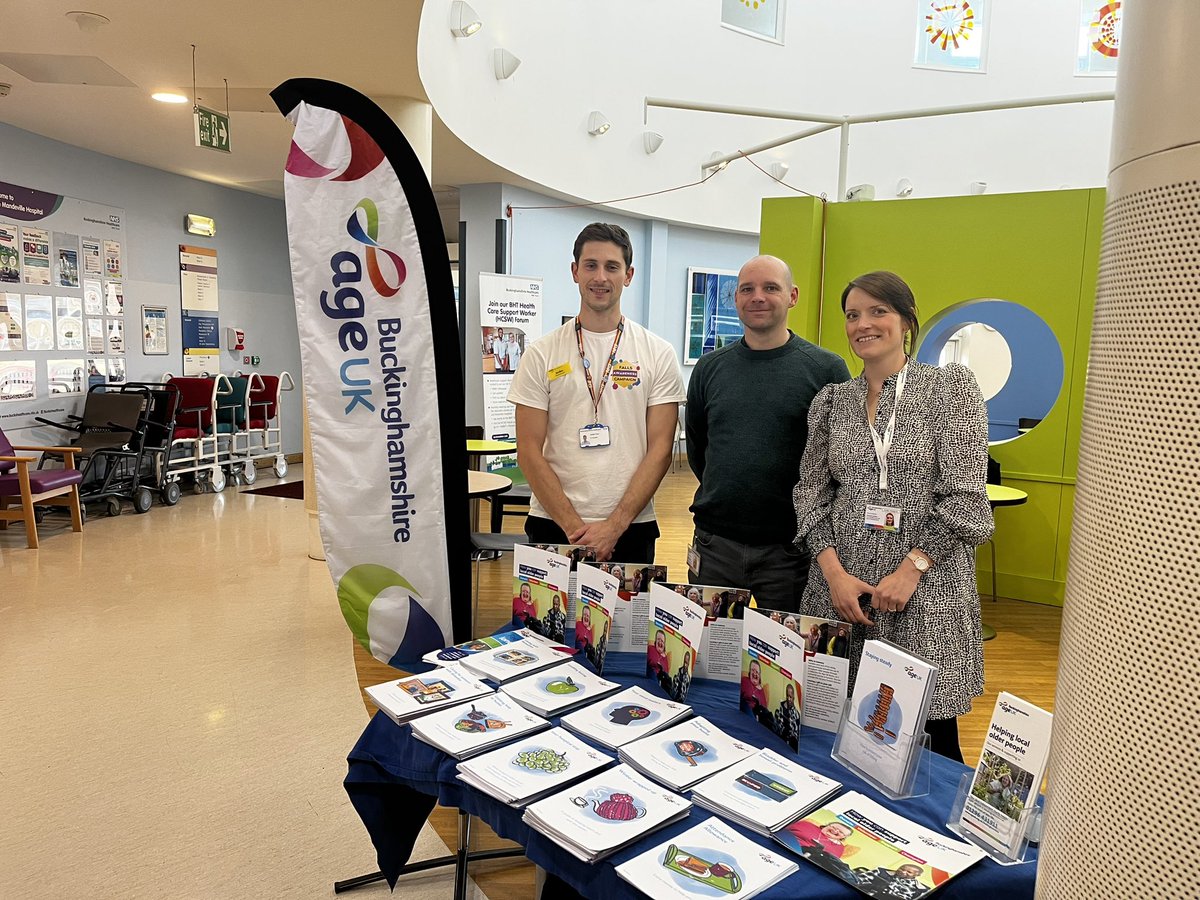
[[177, 698]]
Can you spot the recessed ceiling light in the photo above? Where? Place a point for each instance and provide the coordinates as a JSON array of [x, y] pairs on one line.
[[87, 21], [169, 97]]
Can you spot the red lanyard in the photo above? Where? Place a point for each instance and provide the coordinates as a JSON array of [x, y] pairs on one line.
[[587, 367]]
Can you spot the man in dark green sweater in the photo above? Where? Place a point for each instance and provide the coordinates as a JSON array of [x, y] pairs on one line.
[[747, 423]]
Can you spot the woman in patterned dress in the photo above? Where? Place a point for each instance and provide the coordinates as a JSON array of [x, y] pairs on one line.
[[916, 581]]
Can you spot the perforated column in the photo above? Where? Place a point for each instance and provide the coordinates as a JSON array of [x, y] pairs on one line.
[[1123, 810]]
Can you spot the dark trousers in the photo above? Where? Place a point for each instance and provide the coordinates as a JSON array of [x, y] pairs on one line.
[[943, 738], [775, 573], [636, 545]]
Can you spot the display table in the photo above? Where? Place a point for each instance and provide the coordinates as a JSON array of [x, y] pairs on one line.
[[395, 780]]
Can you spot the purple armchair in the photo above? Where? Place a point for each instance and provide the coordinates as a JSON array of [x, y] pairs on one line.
[[25, 487]]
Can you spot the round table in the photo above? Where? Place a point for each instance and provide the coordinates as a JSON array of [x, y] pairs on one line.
[[1000, 495], [489, 448], [486, 484]]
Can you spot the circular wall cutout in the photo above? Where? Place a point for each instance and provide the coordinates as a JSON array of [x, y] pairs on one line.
[[1020, 390]]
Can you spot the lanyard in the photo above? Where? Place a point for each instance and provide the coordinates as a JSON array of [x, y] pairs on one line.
[[884, 445], [587, 366]]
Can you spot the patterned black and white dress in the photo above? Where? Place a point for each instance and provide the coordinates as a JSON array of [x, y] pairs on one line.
[[937, 472]]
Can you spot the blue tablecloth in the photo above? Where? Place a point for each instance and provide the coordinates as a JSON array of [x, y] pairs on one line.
[[394, 781]]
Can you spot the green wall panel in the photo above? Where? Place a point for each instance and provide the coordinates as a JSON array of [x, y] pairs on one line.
[[791, 230]]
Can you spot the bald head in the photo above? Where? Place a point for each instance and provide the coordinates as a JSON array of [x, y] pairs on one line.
[[765, 293]]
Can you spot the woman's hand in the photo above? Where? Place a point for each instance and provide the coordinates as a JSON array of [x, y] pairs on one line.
[[895, 590], [844, 588]]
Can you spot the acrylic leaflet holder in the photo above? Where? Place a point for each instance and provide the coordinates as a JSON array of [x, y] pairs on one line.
[[1001, 834], [897, 765]]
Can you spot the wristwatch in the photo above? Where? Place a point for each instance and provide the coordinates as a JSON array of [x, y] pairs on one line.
[[919, 560]]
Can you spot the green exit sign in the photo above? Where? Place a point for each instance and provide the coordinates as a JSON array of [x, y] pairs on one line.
[[212, 129]]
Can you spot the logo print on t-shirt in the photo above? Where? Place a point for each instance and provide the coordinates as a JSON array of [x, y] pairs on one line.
[[626, 374]]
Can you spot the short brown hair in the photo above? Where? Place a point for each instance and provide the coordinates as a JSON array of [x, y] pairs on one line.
[[891, 289], [605, 233]]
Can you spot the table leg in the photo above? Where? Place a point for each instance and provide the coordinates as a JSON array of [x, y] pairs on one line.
[[464, 856]]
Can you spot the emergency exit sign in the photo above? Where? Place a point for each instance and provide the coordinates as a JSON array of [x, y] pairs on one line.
[[212, 129]]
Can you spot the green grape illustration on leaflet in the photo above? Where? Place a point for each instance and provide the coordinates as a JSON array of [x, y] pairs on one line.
[[544, 759]]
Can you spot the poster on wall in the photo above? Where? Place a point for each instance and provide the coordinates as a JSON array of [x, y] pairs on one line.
[[17, 379], [510, 318], [66, 376], [112, 260], [114, 298], [201, 344], [95, 337], [115, 329], [93, 267], [116, 369], [12, 333], [757, 18], [66, 259], [154, 331], [35, 255], [93, 304], [68, 323], [1099, 38], [39, 323], [712, 319], [952, 35], [10, 254], [198, 278]]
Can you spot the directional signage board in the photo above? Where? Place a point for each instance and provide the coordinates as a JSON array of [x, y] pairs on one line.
[[212, 129]]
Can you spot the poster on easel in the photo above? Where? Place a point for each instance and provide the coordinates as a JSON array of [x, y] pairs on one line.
[[510, 319]]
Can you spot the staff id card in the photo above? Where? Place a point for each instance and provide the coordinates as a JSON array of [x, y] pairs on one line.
[[881, 518], [593, 436]]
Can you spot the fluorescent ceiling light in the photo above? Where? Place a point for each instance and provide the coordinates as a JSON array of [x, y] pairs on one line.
[[202, 225], [169, 97], [464, 21], [597, 123]]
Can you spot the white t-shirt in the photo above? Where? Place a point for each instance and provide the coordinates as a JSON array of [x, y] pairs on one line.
[[644, 374]]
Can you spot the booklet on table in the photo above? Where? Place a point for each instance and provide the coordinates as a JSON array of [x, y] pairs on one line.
[[515, 660], [540, 590], [684, 754], [606, 812], [594, 611], [477, 725], [625, 717], [764, 792], [676, 627], [560, 689], [710, 859], [533, 767], [448, 655], [772, 675], [416, 695]]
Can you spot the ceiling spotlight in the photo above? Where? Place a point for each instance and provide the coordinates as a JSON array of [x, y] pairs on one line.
[[597, 124], [169, 97], [778, 170], [88, 22], [904, 188], [464, 21], [651, 141], [504, 62], [712, 165], [978, 187]]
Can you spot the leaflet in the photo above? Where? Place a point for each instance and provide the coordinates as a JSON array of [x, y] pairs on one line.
[[721, 646], [676, 626], [771, 677], [532, 767], [477, 725], [514, 660], [417, 695], [576, 553], [710, 859], [479, 645], [625, 717], [594, 613], [873, 849], [685, 754], [560, 689], [764, 792], [631, 615], [540, 590], [1009, 775]]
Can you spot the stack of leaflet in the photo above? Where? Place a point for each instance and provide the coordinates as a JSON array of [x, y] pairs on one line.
[[532, 768], [607, 812], [871, 848], [881, 738], [514, 660], [680, 757], [471, 728], [712, 855], [448, 655], [560, 689], [417, 695], [764, 792], [625, 717]]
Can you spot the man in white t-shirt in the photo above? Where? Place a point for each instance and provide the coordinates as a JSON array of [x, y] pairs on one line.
[[597, 401]]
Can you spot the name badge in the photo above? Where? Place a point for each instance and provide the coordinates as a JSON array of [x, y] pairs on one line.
[[559, 371], [882, 518], [593, 436], [693, 560]]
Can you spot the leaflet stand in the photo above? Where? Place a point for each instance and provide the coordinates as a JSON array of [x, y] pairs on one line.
[[1029, 824], [898, 769]]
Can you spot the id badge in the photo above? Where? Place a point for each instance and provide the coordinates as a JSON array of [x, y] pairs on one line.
[[593, 436], [693, 560], [882, 518]]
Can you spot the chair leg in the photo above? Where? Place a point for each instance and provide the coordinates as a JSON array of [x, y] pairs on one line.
[[76, 511], [497, 507], [31, 535], [3, 518]]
